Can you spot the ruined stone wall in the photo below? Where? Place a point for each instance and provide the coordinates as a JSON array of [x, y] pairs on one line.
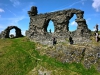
[[39, 23], [87, 54], [6, 32]]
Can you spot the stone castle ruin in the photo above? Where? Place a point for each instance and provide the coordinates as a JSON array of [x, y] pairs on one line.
[[6, 32], [39, 23]]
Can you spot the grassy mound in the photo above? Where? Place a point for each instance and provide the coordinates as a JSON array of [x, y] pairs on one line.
[[19, 57]]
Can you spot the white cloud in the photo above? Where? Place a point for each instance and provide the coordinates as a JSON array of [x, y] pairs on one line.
[[15, 2], [73, 23], [1, 10], [96, 5]]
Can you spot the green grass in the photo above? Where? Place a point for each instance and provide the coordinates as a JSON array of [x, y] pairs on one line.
[[19, 57], [77, 68]]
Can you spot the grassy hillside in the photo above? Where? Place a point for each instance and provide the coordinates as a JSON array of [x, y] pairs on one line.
[[19, 57]]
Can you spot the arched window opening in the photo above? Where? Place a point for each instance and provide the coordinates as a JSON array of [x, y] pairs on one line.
[[73, 24], [50, 27], [12, 33]]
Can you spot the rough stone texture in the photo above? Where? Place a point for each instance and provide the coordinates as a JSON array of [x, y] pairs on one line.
[[6, 32], [91, 57], [88, 55], [39, 23]]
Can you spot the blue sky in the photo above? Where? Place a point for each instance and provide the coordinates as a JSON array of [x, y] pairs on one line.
[[14, 12]]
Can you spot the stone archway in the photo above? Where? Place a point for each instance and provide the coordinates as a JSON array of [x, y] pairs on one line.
[[51, 27], [6, 32], [47, 23], [39, 22], [72, 25]]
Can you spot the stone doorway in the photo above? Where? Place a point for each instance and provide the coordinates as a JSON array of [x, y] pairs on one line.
[[50, 27], [12, 33], [6, 32], [72, 24]]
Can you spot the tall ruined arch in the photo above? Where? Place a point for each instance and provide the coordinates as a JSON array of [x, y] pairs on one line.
[[78, 18], [47, 24], [17, 31], [6, 32]]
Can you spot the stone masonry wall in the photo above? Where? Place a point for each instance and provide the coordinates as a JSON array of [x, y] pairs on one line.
[[39, 23]]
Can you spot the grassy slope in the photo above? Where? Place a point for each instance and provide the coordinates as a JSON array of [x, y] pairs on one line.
[[19, 57]]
